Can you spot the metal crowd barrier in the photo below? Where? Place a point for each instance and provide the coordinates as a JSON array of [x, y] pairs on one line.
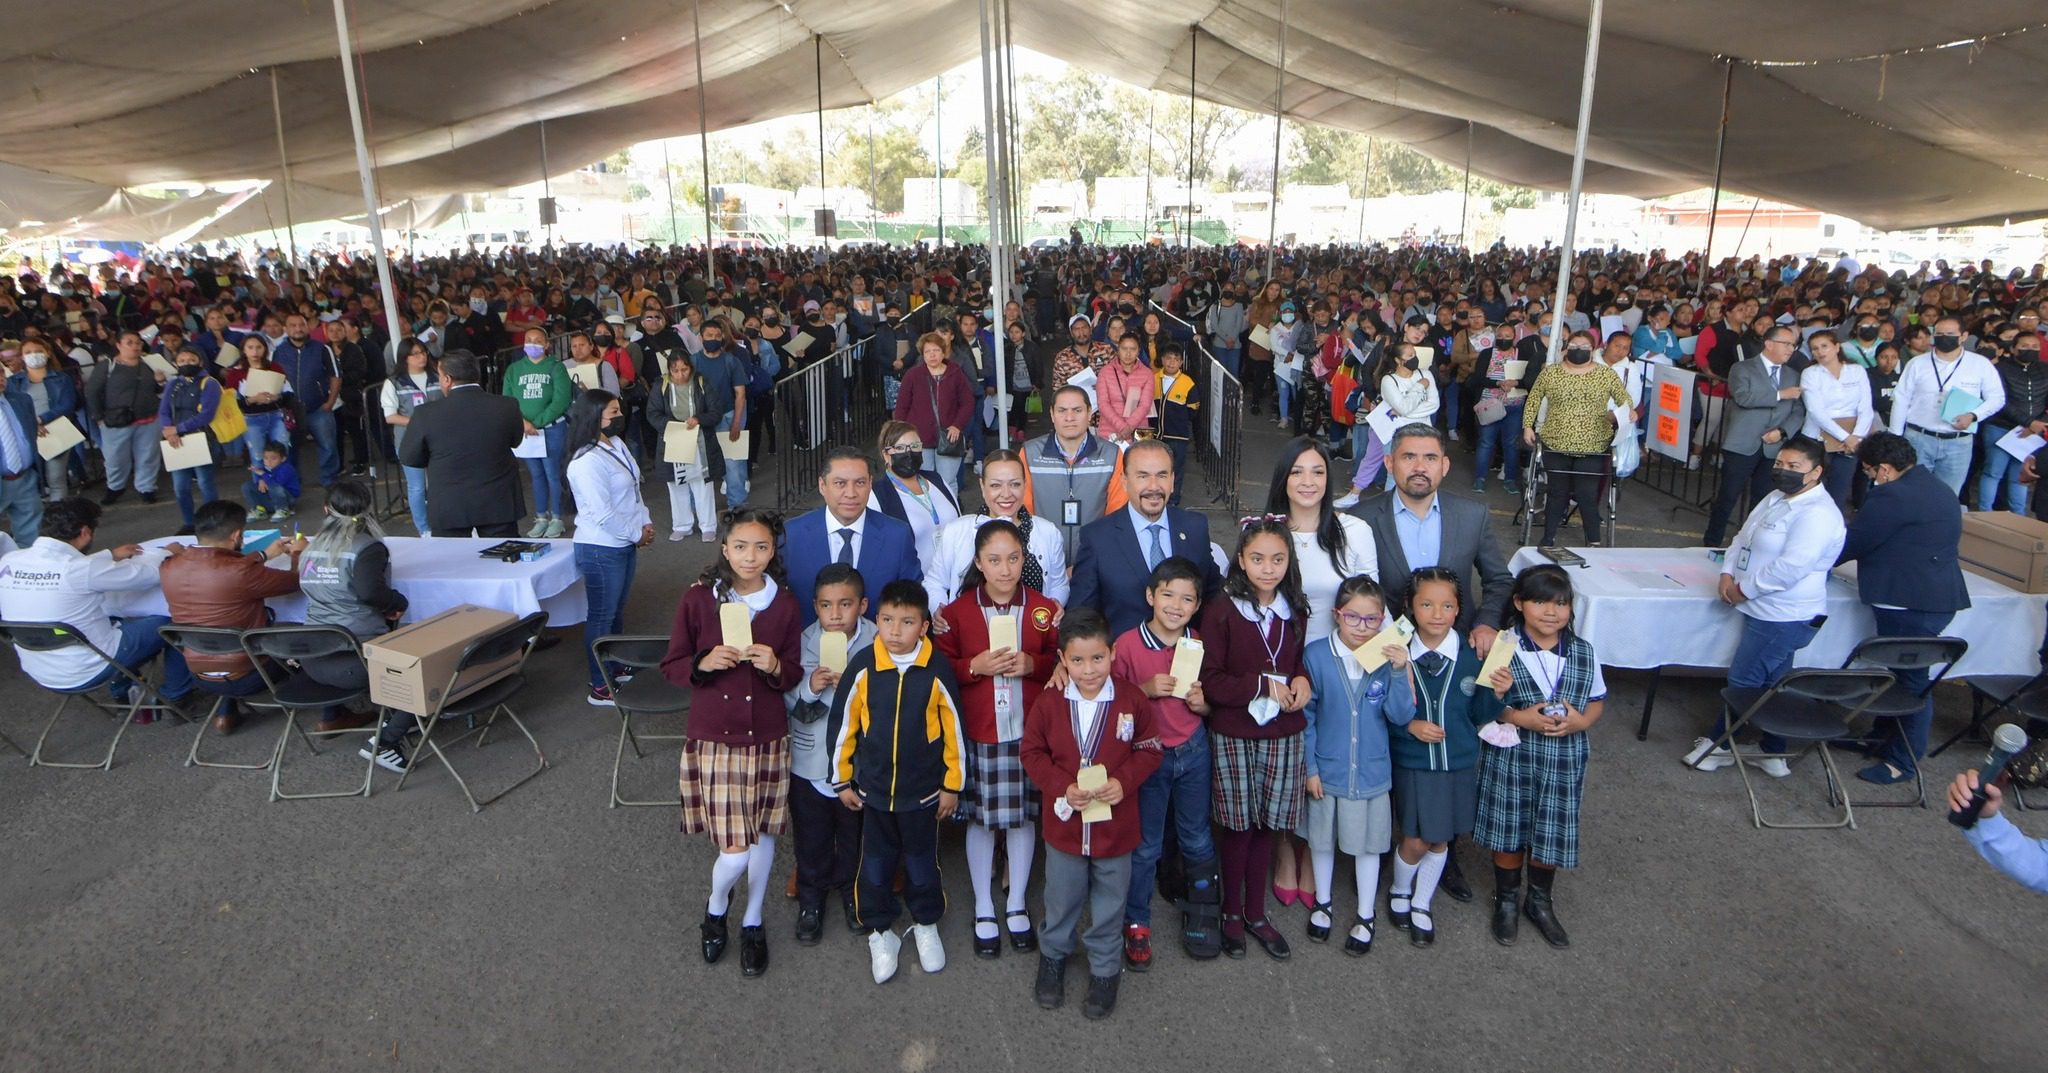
[[1218, 443], [821, 406], [387, 480], [1694, 482]]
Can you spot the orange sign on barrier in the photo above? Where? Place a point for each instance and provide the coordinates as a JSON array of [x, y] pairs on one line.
[[1667, 430], [1670, 397]]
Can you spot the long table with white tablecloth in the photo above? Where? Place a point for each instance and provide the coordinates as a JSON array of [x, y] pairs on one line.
[[1655, 608], [435, 574]]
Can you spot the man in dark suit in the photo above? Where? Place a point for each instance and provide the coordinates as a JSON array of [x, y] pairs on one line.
[[1904, 542], [1418, 525], [1115, 554], [844, 530], [1767, 411], [464, 441]]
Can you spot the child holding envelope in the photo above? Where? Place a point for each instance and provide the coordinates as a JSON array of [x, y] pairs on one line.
[[827, 832], [1086, 747], [999, 639]]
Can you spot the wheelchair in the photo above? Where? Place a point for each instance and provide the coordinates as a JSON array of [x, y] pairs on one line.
[[1536, 496]]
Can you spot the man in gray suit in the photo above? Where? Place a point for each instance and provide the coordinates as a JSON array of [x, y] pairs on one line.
[[1417, 526], [1764, 393]]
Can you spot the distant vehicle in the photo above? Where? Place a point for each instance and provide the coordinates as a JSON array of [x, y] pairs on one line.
[[1046, 242]]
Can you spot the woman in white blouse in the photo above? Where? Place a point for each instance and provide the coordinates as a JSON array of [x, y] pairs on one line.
[[1002, 496], [1838, 410], [612, 522], [1408, 388]]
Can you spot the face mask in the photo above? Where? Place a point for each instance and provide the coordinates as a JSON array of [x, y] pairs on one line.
[[189, 371], [2023, 354], [603, 341], [479, 305], [1948, 344], [713, 346], [535, 350], [1867, 333], [1412, 364], [38, 360], [1578, 355], [771, 321], [906, 464], [615, 427], [1286, 318], [604, 290], [1787, 481]]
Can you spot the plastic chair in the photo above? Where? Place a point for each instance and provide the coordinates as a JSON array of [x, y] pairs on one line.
[[489, 701], [54, 636], [274, 649], [1812, 707], [209, 641], [1898, 655], [2002, 691], [647, 694]]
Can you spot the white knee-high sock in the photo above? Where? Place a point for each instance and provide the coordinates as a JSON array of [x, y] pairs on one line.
[[725, 875], [981, 866], [1432, 870], [1404, 881], [1021, 843], [1323, 862], [760, 865], [1367, 868]]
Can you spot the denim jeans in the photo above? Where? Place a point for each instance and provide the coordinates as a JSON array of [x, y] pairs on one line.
[[2000, 467], [132, 456], [1231, 358], [1285, 410], [416, 496], [265, 429], [1451, 409], [181, 486], [1182, 784], [1762, 657], [1911, 743], [274, 500], [1948, 459], [545, 474], [140, 643], [318, 426], [736, 472], [1506, 433], [22, 502], [607, 578]]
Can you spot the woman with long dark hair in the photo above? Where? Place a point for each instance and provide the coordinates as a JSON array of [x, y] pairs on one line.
[[416, 383], [612, 522]]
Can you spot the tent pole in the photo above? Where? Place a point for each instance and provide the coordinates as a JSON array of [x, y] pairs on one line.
[[1571, 209], [1714, 203], [1151, 110], [547, 192], [991, 80], [874, 228], [818, 63], [668, 179], [284, 166], [1279, 109], [1188, 232], [1013, 195], [355, 116], [939, 152], [1465, 207], [703, 137], [1364, 190]]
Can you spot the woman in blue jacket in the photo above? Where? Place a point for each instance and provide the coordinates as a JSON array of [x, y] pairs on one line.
[[54, 394]]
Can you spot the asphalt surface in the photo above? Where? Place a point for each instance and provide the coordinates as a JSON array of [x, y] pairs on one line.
[[170, 918]]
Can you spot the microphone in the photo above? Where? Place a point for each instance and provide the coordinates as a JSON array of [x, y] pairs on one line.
[[2007, 742]]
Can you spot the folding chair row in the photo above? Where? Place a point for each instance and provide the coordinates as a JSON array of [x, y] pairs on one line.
[[141, 690]]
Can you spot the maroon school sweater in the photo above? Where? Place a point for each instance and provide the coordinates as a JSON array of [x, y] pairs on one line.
[[1234, 657], [738, 705]]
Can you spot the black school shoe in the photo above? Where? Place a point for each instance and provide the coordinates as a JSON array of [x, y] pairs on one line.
[[1537, 908], [1101, 1000], [990, 948], [852, 914], [714, 934], [1355, 946], [1233, 946], [1269, 939], [1453, 882], [1051, 988], [753, 951], [1025, 941], [810, 926]]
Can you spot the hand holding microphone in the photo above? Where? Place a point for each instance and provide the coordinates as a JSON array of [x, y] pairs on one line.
[[1969, 795]]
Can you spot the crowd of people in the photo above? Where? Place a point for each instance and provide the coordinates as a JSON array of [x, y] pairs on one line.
[[1077, 661]]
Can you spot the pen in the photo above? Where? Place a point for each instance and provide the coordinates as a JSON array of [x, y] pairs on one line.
[[1674, 581]]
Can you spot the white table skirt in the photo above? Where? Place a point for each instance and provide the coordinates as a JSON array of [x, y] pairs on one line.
[[1658, 607], [435, 574]]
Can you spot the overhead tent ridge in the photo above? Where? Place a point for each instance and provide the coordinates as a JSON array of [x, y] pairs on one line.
[[1907, 114]]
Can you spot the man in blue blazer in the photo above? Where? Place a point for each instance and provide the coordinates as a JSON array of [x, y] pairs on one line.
[[1904, 541], [20, 466], [845, 530], [1112, 563]]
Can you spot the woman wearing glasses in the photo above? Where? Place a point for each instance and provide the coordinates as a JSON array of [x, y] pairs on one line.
[[909, 492]]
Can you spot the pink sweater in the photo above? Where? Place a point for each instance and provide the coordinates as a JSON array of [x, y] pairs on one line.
[[1124, 399]]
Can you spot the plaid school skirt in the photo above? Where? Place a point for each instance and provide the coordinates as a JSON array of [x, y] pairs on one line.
[[1529, 798], [999, 796], [1258, 782], [736, 793]]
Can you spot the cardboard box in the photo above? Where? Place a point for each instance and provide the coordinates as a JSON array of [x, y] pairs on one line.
[[410, 666], [2006, 548]]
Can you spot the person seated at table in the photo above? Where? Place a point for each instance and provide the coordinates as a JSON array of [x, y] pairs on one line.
[[60, 579], [346, 576], [273, 485], [217, 584], [1776, 575]]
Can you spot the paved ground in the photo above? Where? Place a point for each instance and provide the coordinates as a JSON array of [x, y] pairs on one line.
[[169, 918]]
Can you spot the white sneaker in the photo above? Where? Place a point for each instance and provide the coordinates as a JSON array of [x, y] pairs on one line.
[[554, 529], [539, 526], [1454, 435], [1707, 757], [883, 946], [677, 536], [1346, 502], [930, 952], [1776, 767]]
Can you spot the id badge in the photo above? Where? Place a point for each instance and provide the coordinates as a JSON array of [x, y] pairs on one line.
[[1742, 561], [1070, 512]]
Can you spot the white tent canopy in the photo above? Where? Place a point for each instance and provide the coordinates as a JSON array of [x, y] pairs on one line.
[[1857, 110]]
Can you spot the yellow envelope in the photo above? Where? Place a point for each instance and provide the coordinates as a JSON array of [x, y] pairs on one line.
[[262, 382], [59, 436], [228, 355], [1187, 665], [1093, 777], [902, 349], [1369, 654], [736, 623], [831, 651], [801, 343], [1002, 633], [679, 444], [159, 363], [734, 452], [1500, 655], [190, 453], [586, 376]]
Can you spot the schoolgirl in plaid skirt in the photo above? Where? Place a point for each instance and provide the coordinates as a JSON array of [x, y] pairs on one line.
[[1530, 791]]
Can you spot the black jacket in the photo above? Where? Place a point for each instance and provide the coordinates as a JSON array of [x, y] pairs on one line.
[[120, 395], [465, 442], [2026, 391], [1904, 543]]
